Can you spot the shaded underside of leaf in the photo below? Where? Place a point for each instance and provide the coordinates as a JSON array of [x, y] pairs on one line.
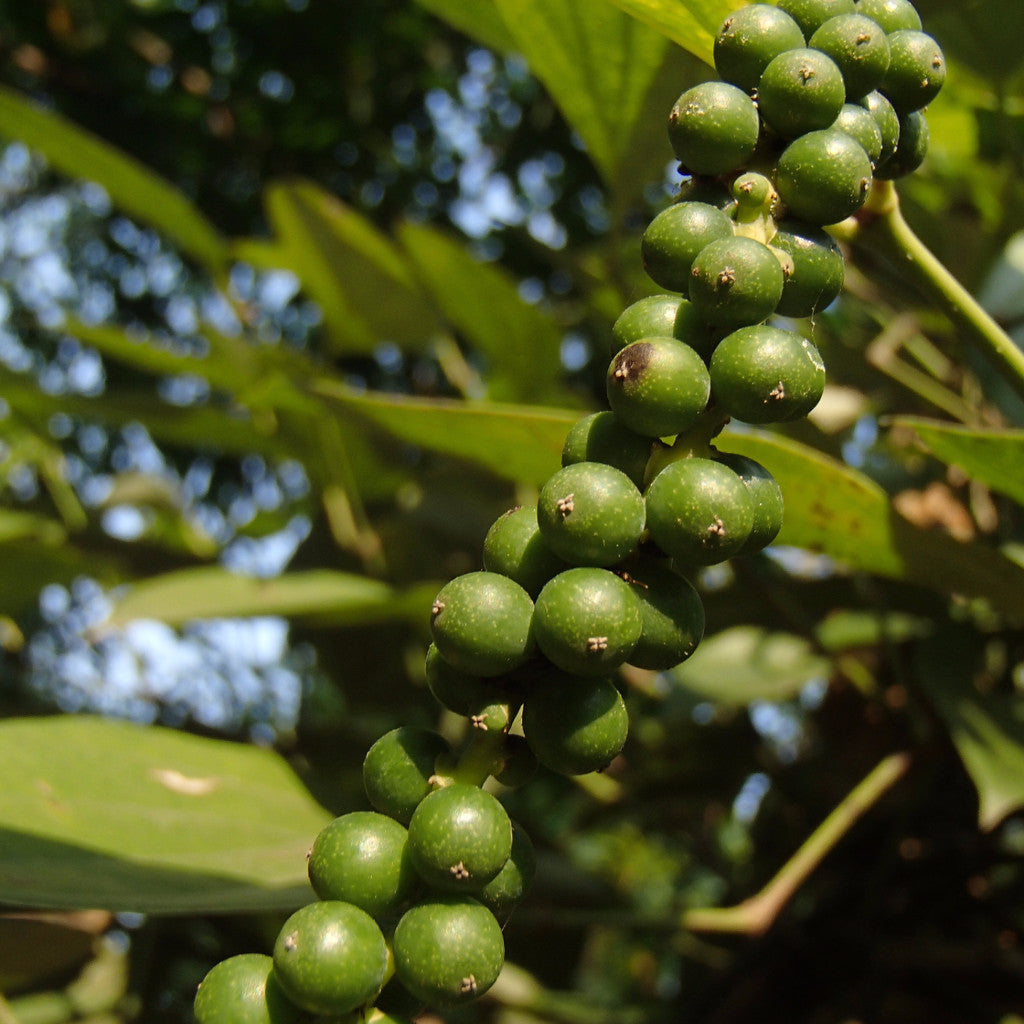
[[123, 817]]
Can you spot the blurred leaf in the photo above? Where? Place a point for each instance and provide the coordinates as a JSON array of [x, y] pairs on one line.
[[693, 24], [596, 62], [106, 814], [986, 728], [340, 598], [518, 443], [483, 303], [747, 663], [836, 511], [477, 18], [16, 526], [133, 188], [26, 567], [847, 628], [357, 277], [994, 458], [36, 948]]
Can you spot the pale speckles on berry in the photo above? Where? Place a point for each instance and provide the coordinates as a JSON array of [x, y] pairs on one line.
[[565, 505]]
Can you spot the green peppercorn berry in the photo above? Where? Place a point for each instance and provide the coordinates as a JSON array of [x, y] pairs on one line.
[[859, 124], [859, 46], [657, 387], [736, 281], [753, 190], [514, 548], [448, 950], [917, 70], [800, 91], [766, 495], [587, 621], [888, 122], [459, 838], [675, 237], [480, 622], [244, 990], [765, 374], [911, 149], [892, 15], [590, 514], [330, 957], [823, 177], [749, 38], [816, 270], [671, 614], [713, 128], [603, 437], [699, 512], [503, 893], [575, 725], [810, 14], [661, 316], [398, 768], [518, 763], [459, 691]]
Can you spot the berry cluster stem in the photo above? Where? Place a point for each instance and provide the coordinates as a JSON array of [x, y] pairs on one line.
[[882, 227]]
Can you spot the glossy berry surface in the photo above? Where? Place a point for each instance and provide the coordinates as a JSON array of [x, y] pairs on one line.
[[360, 858], [244, 990], [590, 514], [587, 621], [767, 375], [480, 622], [892, 15], [885, 116], [448, 950], [515, 548], [671, 615], [398, 768], [748, 40], [800, 91], [766, 495], [699, 512], [810, 14], [458, 691], [575, 725], [661, 316], [823, 177], [859, 124], [502, 894], [676, 236], [917, 70], [860, 49], [713, 128], [459, 838], [603, 437], [330, 957], [736, 281], [816, 273], [657, 387], [911, 149]]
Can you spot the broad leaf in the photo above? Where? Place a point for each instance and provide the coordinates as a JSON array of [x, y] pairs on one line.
[[482, 302], [992, 457], [212, 592], [477, 18], [518, 443], [693, 24], [357, 277], [596, 62], [132, 187], [26, 566], [96, 813], [747, 663], [839, 512]]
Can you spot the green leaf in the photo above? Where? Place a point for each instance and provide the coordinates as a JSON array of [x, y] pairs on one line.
[[213, 592], [131, 186], [477, 18], [96, 813], [986, 728], [596, 62], [836, 511], [693, 24], [359, 279], [747, 663], [27, 566], [19, 526], [483, 303], [518, 443], [994, 458]]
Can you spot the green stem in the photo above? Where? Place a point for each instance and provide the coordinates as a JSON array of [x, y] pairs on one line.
[[882, 224], [756, 915], [483, 754]]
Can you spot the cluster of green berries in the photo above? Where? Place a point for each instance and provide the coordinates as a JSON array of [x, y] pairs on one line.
[[816, 97]]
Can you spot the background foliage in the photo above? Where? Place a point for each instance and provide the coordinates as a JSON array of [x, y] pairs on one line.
[[295, 299]]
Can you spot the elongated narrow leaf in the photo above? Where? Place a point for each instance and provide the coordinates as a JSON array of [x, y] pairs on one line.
[[213, 592], [131, 186], [994, 458], [95, 813], [693, 24], [519, 443], [597, 63], [477, 18], [356, 275], [482, 302], [842, 513]]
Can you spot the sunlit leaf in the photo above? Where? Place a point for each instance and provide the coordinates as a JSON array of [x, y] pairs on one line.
[[212, 592], [519, 443], [477, 18], [693, 24], [96, 813], [994, 458], [836, 511], [132, 187]]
